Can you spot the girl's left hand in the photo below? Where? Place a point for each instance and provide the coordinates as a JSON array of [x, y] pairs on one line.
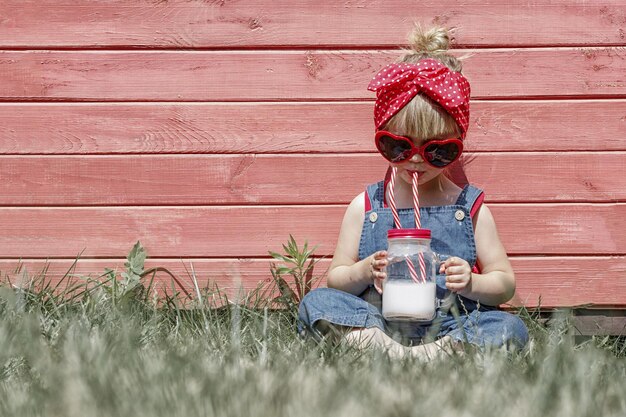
[[458, 274]]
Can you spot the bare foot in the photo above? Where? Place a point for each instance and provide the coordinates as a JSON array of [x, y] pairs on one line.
[[375, 337], [440, 348]]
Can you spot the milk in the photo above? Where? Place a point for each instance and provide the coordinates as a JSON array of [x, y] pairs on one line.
[[409, 301]]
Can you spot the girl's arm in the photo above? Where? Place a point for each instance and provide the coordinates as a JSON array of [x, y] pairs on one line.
[[496, 282], [346, 272]]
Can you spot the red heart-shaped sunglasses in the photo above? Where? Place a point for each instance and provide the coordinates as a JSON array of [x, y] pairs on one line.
[[437, 153]]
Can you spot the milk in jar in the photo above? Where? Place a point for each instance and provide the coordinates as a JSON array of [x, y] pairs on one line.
[[409, 291]]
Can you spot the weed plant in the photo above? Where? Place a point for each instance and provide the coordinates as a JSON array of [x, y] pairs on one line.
[[105, 348]]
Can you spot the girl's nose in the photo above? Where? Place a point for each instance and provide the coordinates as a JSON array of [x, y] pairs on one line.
[[416, 158]]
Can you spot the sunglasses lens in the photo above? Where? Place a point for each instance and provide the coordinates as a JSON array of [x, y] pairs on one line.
[[394, 150], [441, 155]]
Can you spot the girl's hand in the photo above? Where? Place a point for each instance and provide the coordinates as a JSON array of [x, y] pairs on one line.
[[378, 261], [458, 274]]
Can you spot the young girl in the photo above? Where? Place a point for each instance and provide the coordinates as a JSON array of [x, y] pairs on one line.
[[421, 116]]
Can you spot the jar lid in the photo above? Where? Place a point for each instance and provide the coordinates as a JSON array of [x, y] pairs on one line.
[[408, 233]]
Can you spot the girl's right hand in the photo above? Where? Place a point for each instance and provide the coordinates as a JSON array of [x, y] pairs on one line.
[[378, 261]]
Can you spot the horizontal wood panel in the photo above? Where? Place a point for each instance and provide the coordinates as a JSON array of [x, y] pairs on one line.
[[270, 179], [185, 24], [535, 125], [293, 75], [251, 231], [570, 281], [546, 281]]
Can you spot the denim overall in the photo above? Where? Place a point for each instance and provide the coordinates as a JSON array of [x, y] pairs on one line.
[[457, 316]]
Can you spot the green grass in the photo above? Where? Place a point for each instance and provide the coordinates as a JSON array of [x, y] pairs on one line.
[[102, 352]]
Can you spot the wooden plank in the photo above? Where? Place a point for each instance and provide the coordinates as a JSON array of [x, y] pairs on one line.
[[552, 229], [229, 274], [53, 128], [270, 179], [244, 231], [547, 177], [591, 322], [548, 282], [570, 281], [185, 128], [292, 75], [184, 24]]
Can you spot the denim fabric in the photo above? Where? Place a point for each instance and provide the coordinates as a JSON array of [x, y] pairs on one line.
[[450, 236], [481, 327], [453, 235]]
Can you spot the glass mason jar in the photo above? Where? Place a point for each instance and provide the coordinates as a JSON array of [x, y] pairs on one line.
[[409, 291]]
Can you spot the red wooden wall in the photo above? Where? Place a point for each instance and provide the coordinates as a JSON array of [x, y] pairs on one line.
[[211, 130]]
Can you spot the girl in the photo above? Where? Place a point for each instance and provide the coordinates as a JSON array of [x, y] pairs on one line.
[[421, 116]]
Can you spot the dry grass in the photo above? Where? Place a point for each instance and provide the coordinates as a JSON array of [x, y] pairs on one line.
[[103, 352]]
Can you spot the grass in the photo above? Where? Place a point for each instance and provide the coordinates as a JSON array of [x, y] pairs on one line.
[[97, 351]]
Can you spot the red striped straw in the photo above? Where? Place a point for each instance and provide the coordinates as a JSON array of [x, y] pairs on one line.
[[392, 198], [418, 223], [412, 270], [396, 219], [416, 201]]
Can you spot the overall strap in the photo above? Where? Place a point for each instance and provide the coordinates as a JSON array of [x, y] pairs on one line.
[[375, 196], [471, 198], [375, 193]]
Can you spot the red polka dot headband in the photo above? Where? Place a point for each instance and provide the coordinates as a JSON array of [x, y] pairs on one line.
[[396, 84]]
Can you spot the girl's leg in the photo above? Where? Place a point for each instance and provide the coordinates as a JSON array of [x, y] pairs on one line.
[[374, 337], [336, 315], [326, 312], [486, 329]]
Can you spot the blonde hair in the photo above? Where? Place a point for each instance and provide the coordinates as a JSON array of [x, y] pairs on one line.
[[422, 117]]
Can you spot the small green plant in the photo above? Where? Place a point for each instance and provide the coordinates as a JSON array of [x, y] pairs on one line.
[[293, 277], [131, 287]]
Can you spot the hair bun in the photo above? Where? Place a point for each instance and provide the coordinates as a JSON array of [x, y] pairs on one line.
[[432, 41]]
